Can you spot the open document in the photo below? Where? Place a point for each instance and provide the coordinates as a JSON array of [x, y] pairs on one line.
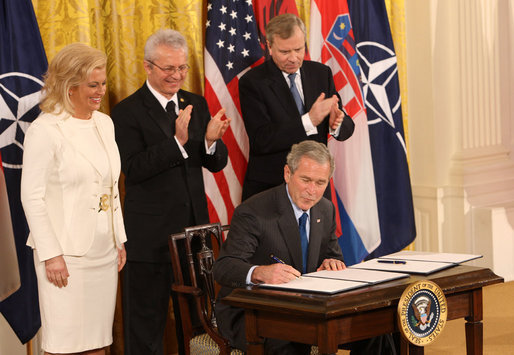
[[416, 262], [431, 256], [314, 284], [403, 266], [383, 269], [326, 281], [368, 276]]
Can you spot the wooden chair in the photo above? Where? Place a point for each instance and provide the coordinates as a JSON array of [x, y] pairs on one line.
[[195, 288]]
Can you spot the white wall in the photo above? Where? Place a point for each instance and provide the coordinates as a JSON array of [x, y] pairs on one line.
[[461, 141]]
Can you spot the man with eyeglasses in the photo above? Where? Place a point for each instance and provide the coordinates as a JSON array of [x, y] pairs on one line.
[[165, 136]]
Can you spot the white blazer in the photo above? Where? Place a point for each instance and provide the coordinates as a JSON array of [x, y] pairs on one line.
[[59, 190]]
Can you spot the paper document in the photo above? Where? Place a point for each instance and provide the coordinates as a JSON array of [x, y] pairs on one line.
[[314, 284], [362, 275], [410, 266], [431, 256]]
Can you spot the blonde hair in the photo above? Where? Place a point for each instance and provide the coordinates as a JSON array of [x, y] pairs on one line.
[[69, 68]]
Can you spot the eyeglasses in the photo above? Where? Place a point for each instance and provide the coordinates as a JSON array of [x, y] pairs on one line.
[[171, 69]]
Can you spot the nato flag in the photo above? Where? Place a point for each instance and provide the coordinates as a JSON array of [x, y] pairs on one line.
[[383, 104], [22, 64]]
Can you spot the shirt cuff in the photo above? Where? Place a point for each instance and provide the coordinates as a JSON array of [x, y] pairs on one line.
[[182, 150], [211, 150], [249, 276], [335, 132], [310, 129]]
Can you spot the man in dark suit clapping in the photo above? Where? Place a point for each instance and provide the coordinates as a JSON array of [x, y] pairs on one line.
[[165, 136], [284, 101]]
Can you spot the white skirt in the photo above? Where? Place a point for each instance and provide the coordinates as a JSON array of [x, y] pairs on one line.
[[79, 317]]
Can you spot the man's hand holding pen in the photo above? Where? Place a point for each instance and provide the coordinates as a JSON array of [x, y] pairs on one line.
[[274, 274], [281, 272]]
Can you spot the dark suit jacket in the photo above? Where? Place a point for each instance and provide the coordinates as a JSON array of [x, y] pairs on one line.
[[272, 121], [163, 191], [262, 225]]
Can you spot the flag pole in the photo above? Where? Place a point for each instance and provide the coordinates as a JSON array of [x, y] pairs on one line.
[[29, 347]]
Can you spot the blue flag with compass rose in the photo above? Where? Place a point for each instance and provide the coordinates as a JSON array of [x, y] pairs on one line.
[[22, 65], [381, 90]]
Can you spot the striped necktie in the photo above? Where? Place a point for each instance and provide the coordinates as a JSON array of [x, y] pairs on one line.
[[296, 94], [303, 238]]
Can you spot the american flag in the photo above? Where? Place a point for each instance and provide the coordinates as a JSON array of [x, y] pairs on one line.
[[231, 48]]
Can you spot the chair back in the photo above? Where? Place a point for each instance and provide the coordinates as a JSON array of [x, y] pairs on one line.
[[194, 282]]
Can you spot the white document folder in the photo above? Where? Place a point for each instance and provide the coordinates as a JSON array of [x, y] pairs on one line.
[[431, 256], [368, 276], [330, 282], [410, 266], [315, 284]]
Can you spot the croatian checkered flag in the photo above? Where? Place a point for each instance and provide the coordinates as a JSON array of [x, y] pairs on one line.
[[332, 42]]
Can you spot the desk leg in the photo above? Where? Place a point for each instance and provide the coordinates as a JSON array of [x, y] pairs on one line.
[[474, 326], [327, 344], [404, 346], [407, 348], [255, 344], [416, 350], [474, 338]]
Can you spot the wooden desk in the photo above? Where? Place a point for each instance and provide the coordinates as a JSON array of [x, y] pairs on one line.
[[329, 320]]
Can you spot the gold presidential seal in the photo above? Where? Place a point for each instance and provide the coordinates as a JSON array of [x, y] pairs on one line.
[[422, 312]]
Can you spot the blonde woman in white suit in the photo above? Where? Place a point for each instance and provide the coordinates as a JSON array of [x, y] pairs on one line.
[[69, 191]]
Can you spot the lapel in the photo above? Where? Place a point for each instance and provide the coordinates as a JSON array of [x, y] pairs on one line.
[[110, 147], [278, 85], [69, 135], [183, 100], [315, 236], [288, 227], [156, 112], [308, 86]]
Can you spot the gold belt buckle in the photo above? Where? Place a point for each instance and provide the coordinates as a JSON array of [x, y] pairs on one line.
[[103, 204]]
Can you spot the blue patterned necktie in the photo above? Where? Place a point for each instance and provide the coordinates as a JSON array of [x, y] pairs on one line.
[[296, 94], [303, 238]]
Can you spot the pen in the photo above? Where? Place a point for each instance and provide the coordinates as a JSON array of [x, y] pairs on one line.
[[277, 259], [392, 261], [280, 261]]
